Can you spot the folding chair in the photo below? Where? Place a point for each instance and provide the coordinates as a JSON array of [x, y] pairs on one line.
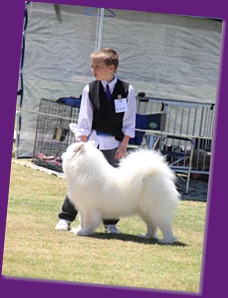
[[179, 155], [177, 149], [147, 122]]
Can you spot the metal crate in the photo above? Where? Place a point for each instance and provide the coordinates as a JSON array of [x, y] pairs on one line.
[[53, 134]]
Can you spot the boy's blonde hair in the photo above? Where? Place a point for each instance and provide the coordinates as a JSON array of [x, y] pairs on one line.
[[109, 56]]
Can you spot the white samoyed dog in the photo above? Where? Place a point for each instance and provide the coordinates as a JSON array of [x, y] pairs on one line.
[[142, 185]]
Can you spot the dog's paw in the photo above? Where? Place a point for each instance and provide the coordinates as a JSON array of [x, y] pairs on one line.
[[86, 232], [82, 232], [169, 240], [148, 236], [76, 230]]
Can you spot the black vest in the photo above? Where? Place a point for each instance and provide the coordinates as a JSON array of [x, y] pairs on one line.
[[105, 119]]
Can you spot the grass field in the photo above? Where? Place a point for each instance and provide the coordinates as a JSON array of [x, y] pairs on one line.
[[34, 249]]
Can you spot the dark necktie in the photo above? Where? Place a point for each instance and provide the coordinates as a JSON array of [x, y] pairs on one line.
[[108, 93]]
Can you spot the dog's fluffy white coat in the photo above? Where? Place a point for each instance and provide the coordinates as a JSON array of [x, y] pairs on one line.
[[143, 184]]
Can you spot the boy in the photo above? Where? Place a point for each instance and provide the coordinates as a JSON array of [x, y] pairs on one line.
[[107, 116]]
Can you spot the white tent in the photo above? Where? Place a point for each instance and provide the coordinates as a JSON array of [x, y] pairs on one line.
[[165, 56]]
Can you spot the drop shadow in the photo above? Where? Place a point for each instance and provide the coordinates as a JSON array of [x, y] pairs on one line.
[[133, 238]]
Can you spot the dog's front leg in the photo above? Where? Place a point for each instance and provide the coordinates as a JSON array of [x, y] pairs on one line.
[[89, 221], [77, 230]]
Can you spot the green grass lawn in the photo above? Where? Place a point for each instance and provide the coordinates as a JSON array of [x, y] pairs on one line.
[[34, 249]]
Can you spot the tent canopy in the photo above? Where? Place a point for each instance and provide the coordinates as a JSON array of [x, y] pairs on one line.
[[165, 56]]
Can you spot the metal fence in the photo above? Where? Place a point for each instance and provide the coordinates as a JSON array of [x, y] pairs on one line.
[[185, 120]]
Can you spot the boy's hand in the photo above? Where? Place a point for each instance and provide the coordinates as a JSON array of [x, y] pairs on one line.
[[83, 139], [121, 152], [122, 149]]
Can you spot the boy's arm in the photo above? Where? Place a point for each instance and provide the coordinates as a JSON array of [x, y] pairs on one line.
[[122, 149], [128, 124]]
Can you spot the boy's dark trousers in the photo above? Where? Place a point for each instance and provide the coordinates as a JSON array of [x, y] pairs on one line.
[[68, 211]]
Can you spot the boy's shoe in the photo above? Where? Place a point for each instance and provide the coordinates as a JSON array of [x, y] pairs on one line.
[[111, 229], [63, 225]]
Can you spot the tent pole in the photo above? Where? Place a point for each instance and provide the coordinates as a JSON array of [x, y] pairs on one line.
[[100, 30], [17, 127]]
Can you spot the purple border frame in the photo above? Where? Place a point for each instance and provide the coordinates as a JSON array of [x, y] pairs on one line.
[[216, 249]]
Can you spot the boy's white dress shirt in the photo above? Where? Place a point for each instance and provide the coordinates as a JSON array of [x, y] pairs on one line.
[[84, 127]]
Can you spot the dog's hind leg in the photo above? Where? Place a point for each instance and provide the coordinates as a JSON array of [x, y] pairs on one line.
[[151, 228], [168, 236], [89, 221]]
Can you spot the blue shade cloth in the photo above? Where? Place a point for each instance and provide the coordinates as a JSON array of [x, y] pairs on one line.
[[150, 121], [71, 101], [108, 93], [141, 123]]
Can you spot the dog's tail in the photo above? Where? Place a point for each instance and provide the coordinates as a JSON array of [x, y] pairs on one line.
[[147, 170], [146, 162]]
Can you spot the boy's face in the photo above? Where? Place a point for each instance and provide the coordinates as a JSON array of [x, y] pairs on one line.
[[101, 71]]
